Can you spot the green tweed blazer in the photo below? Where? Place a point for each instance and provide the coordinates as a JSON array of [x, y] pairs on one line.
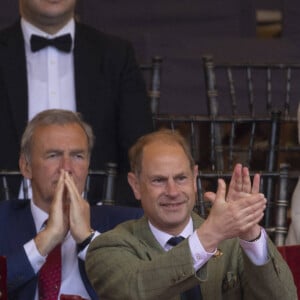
[[128, 263]]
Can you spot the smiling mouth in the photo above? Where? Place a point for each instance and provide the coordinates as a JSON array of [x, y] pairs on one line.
[[172, 205], [54, 1]]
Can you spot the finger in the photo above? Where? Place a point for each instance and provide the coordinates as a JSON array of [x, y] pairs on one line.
[[59, 191], [221, 191], [252, 205], [236, 183], [72, 189], [210, 196], [249, 214], [58, 217], [246, 181], [256, 183], [253, 219], [249, 226]]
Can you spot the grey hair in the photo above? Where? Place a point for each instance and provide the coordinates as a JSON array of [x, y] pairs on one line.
[[54, 117]]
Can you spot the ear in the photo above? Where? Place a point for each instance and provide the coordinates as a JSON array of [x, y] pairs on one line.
[[135, 185], [25, 167]]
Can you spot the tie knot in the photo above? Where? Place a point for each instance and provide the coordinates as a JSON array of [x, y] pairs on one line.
[[175, 240], [62, 43]]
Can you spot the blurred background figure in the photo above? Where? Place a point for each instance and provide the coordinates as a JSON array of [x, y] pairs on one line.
[[293, 236], [49, 60]]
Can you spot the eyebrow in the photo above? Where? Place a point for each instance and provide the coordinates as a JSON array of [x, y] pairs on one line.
[[73, 151]]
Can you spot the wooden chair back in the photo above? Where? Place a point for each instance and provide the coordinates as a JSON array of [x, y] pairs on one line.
[[100, 184]]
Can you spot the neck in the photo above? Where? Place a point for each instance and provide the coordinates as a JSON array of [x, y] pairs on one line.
[[51, 27]]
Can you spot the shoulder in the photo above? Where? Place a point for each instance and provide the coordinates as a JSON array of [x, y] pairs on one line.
[[14, 205], [114, 210], [125, 234], [97, 37], [10, 210], [106, 217], [12, 32]]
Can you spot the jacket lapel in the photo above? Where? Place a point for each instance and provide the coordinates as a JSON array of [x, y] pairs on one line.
[[22, 215], [14, 72], [87, 69], [145, 236]]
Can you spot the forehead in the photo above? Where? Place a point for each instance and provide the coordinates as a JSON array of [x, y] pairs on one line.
[[162, 156], [60, 135]]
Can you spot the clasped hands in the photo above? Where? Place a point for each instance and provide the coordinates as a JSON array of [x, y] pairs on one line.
[[236, 214], [68, 211]]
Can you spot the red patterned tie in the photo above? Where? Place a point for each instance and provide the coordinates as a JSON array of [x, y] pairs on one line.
[[50, 276]]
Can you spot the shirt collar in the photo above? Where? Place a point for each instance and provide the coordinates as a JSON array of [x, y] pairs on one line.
[[163, 237], [39, 216], [28, 29]]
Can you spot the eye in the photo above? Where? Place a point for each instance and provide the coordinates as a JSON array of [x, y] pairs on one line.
[[52, 155], [158, 180], [79, 156], [181, 178]]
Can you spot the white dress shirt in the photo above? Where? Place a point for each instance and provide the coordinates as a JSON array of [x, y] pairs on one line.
[[71, 282], [256, 251], [50, 72]]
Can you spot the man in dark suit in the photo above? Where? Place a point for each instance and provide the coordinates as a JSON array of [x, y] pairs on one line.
[[55, 154], [226, 256], [96, 74]]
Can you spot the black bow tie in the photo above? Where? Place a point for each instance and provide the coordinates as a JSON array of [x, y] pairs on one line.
[[62, 43]]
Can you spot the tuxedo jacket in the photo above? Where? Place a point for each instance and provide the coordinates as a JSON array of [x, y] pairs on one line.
[[17, 228], [110, 94], [128, 263]]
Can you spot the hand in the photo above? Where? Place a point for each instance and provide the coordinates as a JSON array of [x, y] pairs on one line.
[[69, 211], [238, 215], [58, 221], [79, 216], [240, 185]]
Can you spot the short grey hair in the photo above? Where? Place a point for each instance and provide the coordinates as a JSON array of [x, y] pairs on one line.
[[54, 117]]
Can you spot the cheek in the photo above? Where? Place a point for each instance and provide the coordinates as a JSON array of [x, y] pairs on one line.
[[150, 196], [79, 167], [80, 174], [149, 207], [47, 172], [151, 193]]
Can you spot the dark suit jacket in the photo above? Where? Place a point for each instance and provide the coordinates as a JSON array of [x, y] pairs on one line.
[[110, 93], [130, 252], [17, 227]]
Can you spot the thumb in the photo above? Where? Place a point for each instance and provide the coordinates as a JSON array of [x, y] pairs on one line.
[[221, 191], [210, 196], [220, 194]]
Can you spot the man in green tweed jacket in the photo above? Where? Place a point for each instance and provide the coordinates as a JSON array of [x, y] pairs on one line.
[[228, 255]]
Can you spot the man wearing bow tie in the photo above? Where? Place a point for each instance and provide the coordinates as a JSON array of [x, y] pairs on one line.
[[171, 253], [48, 60]]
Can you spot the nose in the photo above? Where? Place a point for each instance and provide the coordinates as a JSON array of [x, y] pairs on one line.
[[66, 164], [172, 188]]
